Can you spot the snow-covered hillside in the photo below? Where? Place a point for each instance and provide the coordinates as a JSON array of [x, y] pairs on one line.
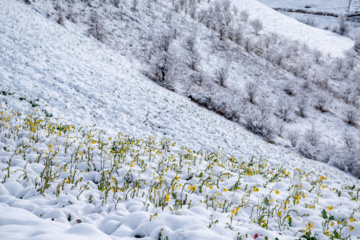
[[327, 15], [295, 85], [97, 151]]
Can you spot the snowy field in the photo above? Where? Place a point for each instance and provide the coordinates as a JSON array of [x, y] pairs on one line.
[[329, 23], [91, 149], [276, 22], [330, 6]]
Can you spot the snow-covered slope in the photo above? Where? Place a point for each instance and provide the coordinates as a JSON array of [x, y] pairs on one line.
[[325, 41], [330, 6], [64, 74]]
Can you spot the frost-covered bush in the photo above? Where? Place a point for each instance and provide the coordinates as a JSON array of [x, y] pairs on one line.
[[97, 28], [256, 25], [284, 110], [244, 15], [357, 46], [302, 106], [312, 137], [221, 77], [293, 137], [260, 127], [343, 27], [322, 103], [251, 90], [351, 116]]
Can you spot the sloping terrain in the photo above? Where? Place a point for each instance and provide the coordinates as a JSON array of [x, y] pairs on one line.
[[90, 148], [294, 85]]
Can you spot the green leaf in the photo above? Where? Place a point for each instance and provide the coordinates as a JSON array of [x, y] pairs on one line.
[[324, 214], [266, 201], [290, 221]]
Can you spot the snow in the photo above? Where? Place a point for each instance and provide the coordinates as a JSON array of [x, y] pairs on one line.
[[273, 21], [330, 6], [83, 83]]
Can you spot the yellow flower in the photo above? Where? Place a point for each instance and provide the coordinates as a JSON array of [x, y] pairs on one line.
[[277, 191], [131, 165], [167, 198], [279, 213], [80, 153], [351, 228], [255, 189], [211, 187], [192, 188], [330, 208], [225, 189]]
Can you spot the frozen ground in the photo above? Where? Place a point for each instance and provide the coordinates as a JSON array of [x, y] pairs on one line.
[[276, 22], [48, 68], [331, 6]]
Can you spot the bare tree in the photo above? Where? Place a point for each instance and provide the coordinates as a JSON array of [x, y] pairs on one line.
[[351, 116], [221, 77], [312, 136], [284, 110], [302, 107], [256, 25], [244, 15], [343, 27], [97, 28], [293, 137], [357, 46], [251, 89]]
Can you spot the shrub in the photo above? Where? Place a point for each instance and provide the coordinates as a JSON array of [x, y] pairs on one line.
[[293, 137], [251, 90], [260, 127], [312, 136], [244, 15], [357, 46], [256, 25], [284, 110], [221, 77], [351, 116]]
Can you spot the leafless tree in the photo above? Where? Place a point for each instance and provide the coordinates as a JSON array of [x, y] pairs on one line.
[[221, 76], [256, 25], [251, 90]]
